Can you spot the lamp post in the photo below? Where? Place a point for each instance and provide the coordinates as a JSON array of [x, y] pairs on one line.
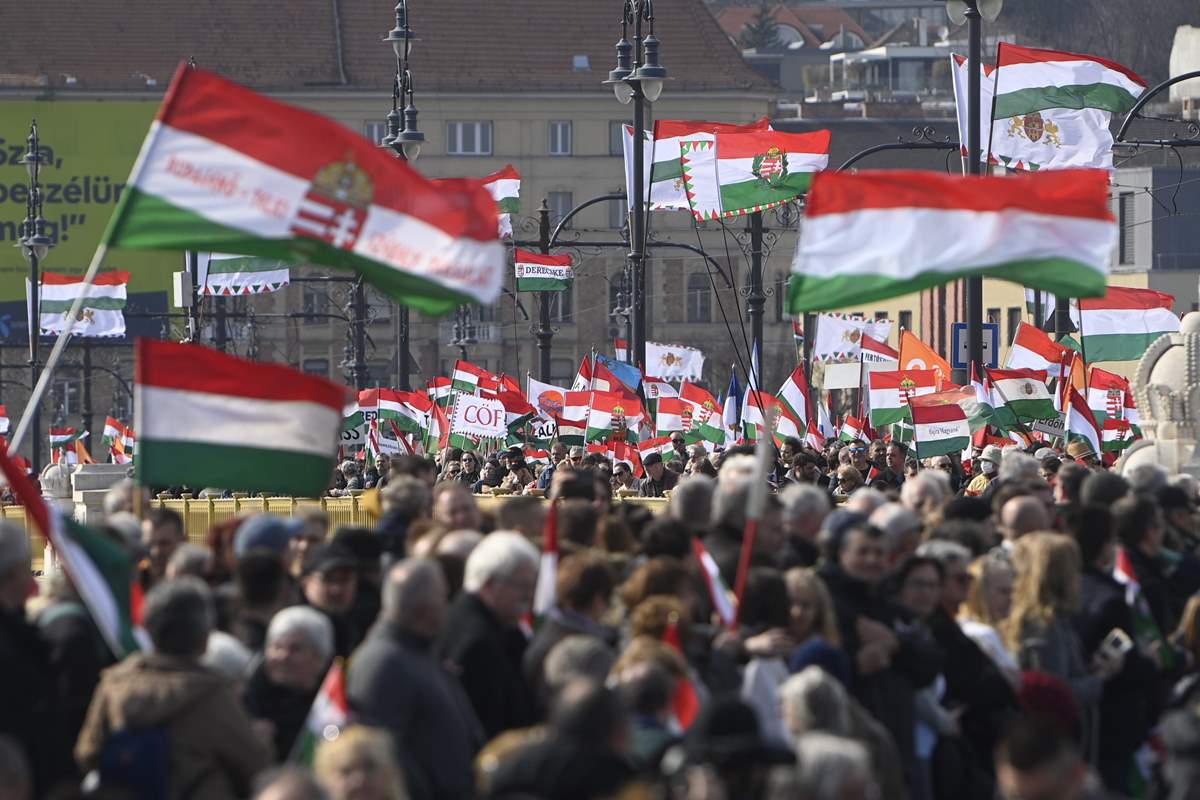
[[464, 331], [973, 12], [544, 331], [35, 245], [638, 78], [406, 142]]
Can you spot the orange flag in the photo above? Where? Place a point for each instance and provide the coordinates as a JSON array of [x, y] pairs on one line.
[[1077, 378], [915, 354]]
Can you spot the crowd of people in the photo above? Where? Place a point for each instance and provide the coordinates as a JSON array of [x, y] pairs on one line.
[[1024, 625]]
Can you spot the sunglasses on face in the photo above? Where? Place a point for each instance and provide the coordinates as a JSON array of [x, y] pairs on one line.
[[857, 449]]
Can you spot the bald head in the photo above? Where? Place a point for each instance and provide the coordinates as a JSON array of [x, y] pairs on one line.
[[414, 596], [1022, 515]]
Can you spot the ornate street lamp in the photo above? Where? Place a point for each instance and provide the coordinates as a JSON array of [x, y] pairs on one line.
[[35, 246]]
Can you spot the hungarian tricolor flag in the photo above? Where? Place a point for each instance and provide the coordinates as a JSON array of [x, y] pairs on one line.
[[1106, 393], [1145, 630], [205, 418], [939, 427], [1081, 423], [328, 716], [1033, 80], [440, 390], [100, 315], [572, 420], [851, 430], [873, 351], [669, 416], [685, 703], [659, 444], [891, 392], [757, 407], [1116, 435], [664, 172], [1032, 348], [544, 596], [226, 169], [873, 235], [542, 273], [583, 377], [795, 397], [119, 440], [625, 453], [611, 415], [740, 173], [409, 411], [505, 188], [1121, 325], [723, 601], [1022, 392], [100, 568], [702, 419]]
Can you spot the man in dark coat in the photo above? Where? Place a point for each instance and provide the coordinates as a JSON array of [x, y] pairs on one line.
[[890, 658], [658, 478], [394, 683], [481, 641]]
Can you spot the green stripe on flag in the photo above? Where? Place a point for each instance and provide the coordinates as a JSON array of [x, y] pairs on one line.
[[1058, 275], [163, 462], [510, 205], [671, 170], [147, 222], [1103, 96], [98, 303], [229, 266], [113, 564], [542, 285], [749, 194], [942, 447], [1118, 346]]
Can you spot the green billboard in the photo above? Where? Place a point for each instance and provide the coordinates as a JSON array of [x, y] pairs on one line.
[[90, 146]]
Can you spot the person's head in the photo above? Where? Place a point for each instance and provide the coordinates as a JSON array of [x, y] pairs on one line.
[[954, 559], [850, 479], [162, 532], [1139, 524], [991, 594], [189, 559], [646, 689], [833, 766], [454, 507], [265, 532], [857, 451], [918, 583], [941, 464], [691, 501], [1092, 528], [577, 657], [894, 457], [16, 573], [1103, 489], [925, 491], [414, 597], [653, 465], [558, 451], [810, 608], [413, 466], [658, 613], [490, 473], [1146, 478], [901, 527], [589, 714], [288, 783], [1048, 468], [664, 536], [576, 456], [502, 572], [813, 700], [584, 584], [360, 764], [865, 500], [1038, 761], [524, 514], [261, 581], [1048, 569], [1068, 483], [678, 442], [804, 508], [622, 475], [313, 528], [862, 553], [406, 495], [178, 616], [1023, 515], [330, 579], [877, 451], [470, 463], [298, 647], [765, 600]]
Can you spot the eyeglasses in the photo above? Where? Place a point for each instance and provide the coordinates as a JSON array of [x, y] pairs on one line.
[[857, 449]]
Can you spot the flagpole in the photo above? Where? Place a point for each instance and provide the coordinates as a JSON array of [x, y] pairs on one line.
[[992, 115]]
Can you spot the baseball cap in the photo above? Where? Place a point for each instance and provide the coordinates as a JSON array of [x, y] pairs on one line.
[[329, 557], [265, 532], [1045, 452]]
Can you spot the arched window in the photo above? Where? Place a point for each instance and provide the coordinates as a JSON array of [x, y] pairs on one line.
[[699, 298]]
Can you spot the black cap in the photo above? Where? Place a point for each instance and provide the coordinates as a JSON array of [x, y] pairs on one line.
[[653, 458], [329, 557]]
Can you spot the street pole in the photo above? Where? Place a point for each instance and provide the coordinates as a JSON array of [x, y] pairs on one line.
[[1062, 316], [755, 299], [192, 265], [35, 244], [637, 233], [358, 322], [974, 167], [85, 410], [221, 334], [544, 333], [403, 362]]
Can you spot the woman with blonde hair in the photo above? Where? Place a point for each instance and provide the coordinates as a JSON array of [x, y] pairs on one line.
[[360, 764], [811, 611], [988, 604], [1039, 628]]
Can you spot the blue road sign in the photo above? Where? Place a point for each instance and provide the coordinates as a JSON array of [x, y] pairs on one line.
[[991, 345]]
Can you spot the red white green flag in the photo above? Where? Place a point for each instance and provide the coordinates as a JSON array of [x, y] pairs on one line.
[[1032, 348], [939, 428], [205, 418], [873, 235], [1106, 393], [542, 273], [611, 415], [795, 397], [226, 169], [702, 420], [892, 390], [1121, 325], [1081, 423], [119, 440], [505, 188], [330, 713]]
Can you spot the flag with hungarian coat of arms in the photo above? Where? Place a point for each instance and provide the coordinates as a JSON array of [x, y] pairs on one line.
[[701, 416], [611, 416]]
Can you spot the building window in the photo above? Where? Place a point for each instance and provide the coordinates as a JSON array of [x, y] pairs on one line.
[[699, 298], [560, 137], [880, 315], [562, 371], [316, 366], [66, 398], [616, 138], [561, 305], [1014, 321], [379, 307], [315, 305], [375, 131], [1125, 219], [485, 314], [905, 320], [469, 138], [993, 317], [560, 204]]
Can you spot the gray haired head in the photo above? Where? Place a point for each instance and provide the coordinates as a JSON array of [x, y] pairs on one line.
[[314, 626], [178, 616]]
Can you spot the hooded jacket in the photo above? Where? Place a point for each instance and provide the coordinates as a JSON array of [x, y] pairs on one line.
[[214, 752]]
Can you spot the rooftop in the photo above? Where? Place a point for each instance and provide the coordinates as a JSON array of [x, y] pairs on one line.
[[463, 45]]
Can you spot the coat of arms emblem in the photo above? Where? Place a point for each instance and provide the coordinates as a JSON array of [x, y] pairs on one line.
[[771, 167], [335, 206], [1034, 127]]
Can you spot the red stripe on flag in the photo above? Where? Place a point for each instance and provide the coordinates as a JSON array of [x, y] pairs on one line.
[[946, 412], [1120, 297], [526, 257], [189, 367], [1010, 54], [752, 144], [1010, 374], [114, 277], [671, 128], [1081, 193], [301, 143], [507, 172]]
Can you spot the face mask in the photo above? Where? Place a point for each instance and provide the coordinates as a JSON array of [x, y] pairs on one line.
[[987, 467]]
